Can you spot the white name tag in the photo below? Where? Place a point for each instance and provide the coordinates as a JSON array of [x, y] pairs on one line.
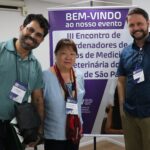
[[138, 76], [18, 92], [71, 107]]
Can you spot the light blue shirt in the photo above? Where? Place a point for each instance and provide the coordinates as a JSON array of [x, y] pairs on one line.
[[28, 70], [55, 105]]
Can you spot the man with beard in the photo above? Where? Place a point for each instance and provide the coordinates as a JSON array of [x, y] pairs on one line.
[[21, 74], [134, 83]]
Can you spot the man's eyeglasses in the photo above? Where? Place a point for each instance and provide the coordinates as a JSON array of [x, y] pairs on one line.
[[37, 34]]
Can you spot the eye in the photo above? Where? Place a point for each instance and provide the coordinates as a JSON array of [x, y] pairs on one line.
[[31, 30], [139, 24], [73, 54], [39, 35], [131, 25], [63, 52]]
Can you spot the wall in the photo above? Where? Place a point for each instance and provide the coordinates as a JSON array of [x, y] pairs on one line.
[[11, 21], [143, 4]]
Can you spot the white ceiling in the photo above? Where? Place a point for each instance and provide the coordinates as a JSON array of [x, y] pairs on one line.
[[109, 2], [62, 1]]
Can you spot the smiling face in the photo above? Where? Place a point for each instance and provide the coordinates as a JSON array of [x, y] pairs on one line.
[[138, 26], [31, 35], [65, 58]]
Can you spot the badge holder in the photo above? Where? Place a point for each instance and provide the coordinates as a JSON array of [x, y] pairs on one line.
[[18, 92], [71, 106], [138, 75]]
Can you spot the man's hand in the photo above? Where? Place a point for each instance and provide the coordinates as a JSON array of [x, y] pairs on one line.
[[38, 141]]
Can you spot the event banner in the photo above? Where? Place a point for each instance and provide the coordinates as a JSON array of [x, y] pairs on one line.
[[100, 34]]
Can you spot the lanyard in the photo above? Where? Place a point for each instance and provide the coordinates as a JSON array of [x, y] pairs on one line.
[[140, 58], [62, 82], [17, 71]]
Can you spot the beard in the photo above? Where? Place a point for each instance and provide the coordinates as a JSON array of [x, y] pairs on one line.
[[143, 35], [25, 45]]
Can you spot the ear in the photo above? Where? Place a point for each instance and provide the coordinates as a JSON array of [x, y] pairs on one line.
[[21, 27], [148, 23]]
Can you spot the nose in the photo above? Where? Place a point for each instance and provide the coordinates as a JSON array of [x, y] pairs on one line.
[[136, 27], [68, 56], [33, 35]]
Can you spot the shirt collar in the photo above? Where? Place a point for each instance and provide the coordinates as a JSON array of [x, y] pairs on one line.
[[11, 47], [147, 40]]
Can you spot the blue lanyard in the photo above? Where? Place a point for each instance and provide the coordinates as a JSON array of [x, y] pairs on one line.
[[139, 59]]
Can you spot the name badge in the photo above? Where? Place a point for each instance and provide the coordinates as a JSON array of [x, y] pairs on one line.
[[71, 106], [18, 92], [138, 76]]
